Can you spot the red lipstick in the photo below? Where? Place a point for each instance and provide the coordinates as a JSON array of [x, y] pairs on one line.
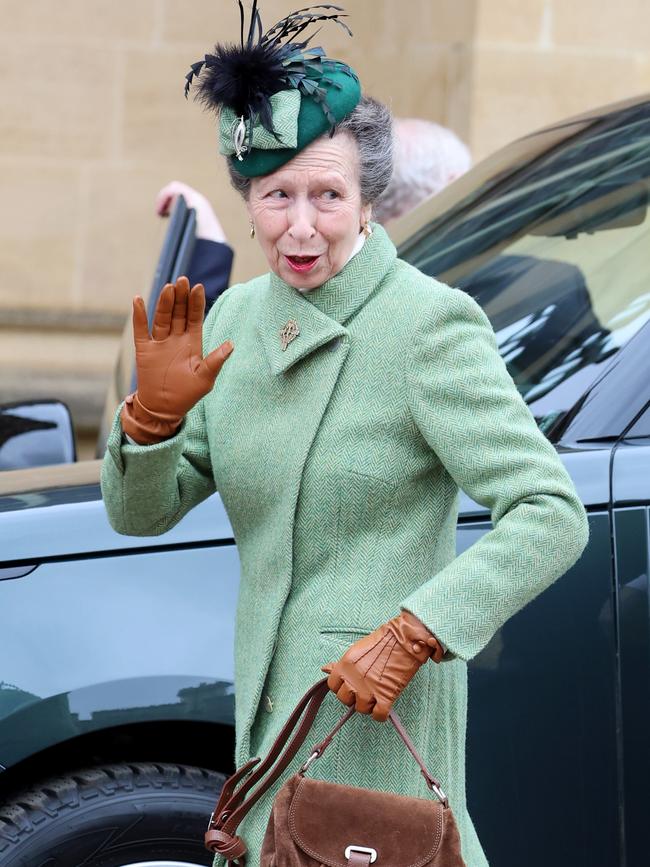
[[301, 264]]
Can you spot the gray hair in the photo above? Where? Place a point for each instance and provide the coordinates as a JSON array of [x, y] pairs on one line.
[[371, 126]]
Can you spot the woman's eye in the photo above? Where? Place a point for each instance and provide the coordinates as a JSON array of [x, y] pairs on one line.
[[278, 194], [330, 194]]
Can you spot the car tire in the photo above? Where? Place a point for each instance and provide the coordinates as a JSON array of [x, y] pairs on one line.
[[112, 815]]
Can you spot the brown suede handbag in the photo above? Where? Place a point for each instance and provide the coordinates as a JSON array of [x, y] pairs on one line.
[[315, 823]]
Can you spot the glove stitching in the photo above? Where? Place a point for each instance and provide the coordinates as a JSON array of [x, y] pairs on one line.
[[383, 642], [383, 639], [381, 673]]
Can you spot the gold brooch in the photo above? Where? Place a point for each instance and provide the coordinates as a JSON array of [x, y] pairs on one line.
[[289, 332]]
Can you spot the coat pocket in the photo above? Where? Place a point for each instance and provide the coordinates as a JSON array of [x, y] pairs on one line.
[[338, 630], [335, 640]]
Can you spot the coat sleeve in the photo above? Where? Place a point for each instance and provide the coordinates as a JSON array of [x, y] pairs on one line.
[[147, 489], [467, 407]]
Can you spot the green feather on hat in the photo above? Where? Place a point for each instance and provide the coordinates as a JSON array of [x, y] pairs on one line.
[[273, 93]]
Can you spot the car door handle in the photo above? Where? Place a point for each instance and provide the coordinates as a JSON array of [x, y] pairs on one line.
[[7, 572]]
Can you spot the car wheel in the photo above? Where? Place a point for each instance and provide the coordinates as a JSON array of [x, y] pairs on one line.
[[112, 815]]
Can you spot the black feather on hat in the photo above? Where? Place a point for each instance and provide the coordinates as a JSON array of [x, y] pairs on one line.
[[244, 77]]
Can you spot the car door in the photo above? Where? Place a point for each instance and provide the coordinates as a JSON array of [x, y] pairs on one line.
[[621, 403], [542, 702], [101, 630], [631, 516], [567, 704]]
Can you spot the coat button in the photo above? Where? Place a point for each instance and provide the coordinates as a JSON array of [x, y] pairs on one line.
[[268, 704]]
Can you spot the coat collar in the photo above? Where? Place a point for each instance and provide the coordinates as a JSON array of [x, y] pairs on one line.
[[321, 314]]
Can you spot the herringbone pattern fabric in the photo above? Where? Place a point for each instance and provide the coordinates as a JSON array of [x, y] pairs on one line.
[[339, 463], [285, 107]]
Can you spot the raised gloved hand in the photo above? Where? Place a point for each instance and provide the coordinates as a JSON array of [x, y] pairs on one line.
[[375, 669], [171, 371]]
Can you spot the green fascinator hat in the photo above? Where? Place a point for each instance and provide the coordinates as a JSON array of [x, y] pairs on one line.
[[274, 93]]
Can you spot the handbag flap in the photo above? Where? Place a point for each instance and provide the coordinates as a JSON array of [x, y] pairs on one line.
[[325, 818]]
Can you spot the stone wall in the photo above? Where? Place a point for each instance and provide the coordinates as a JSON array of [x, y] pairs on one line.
[[538, 61], [93, 122]]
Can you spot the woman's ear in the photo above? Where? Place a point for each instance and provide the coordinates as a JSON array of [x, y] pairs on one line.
[[366, 214]]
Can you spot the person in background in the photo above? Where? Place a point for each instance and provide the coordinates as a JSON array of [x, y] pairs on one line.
[[212, 257], [427, 157]]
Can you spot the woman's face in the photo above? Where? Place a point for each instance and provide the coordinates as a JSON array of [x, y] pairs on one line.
[[308, 213]]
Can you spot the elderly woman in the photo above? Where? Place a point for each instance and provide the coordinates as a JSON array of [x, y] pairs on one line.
[[337, 403]]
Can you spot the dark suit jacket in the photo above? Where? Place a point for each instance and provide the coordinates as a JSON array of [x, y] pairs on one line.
[[211, 264]]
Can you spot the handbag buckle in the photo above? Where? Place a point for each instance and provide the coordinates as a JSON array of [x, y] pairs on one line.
[[441, 795], [436, 789], [308, 762], [354, 848], [222, 819]]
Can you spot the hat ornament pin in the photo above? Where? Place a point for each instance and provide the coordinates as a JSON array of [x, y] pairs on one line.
[[239, 138]]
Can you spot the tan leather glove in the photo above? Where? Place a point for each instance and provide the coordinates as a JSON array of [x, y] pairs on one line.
[[172, 374], [375, 669]]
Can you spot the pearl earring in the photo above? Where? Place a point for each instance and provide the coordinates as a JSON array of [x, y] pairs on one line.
[[367, 230], [252, 229]]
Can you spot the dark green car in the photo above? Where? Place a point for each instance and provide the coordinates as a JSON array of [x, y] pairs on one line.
[[116, 686]]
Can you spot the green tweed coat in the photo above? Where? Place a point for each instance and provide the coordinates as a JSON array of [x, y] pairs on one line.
[[339, 461]]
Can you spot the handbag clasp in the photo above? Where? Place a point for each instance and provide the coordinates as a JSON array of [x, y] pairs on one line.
[[366, 849]]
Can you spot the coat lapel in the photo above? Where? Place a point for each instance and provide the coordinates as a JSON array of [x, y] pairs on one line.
[[281, 305]]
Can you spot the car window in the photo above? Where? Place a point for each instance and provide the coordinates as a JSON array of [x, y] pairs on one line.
[[557, 254]]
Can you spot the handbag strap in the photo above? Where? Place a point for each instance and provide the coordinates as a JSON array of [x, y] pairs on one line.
[[431, 781], [231, 806], [310, 704]]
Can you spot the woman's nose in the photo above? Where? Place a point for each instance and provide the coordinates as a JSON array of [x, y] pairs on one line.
[[302, 220]]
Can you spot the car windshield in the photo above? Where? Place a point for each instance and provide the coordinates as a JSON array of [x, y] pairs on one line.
[[557, 252]]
